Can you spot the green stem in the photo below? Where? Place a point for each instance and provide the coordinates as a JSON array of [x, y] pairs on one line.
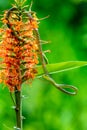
[[18, 110]]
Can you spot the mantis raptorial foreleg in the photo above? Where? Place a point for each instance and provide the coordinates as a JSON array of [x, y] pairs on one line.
[[45, 58]]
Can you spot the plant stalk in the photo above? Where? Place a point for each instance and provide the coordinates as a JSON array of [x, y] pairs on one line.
[[18, 110]]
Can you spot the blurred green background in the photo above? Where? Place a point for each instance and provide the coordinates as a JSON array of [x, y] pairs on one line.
[[46, 108]]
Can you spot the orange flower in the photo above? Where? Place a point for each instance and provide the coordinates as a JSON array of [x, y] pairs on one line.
[[18, 49]]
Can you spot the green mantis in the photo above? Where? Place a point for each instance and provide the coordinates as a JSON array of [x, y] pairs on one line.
[[61, 87], [43, 59]]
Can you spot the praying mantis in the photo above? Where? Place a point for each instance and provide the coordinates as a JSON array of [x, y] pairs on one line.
[[46, 75]]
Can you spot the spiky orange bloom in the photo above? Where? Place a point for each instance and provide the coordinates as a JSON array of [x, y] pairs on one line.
[[18, 49]]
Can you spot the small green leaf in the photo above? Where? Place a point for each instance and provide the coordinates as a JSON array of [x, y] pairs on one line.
[[60, 67]]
